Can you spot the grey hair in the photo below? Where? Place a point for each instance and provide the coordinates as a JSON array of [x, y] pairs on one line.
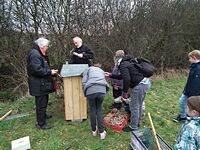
[[41, 42], [78, 39]]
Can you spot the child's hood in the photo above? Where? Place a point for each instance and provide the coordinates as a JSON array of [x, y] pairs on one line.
[[194, 119]]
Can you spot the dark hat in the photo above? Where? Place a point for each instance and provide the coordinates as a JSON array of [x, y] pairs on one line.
[[194, 103]]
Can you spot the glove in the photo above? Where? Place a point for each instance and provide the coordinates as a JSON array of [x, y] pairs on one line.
[[56, 88]]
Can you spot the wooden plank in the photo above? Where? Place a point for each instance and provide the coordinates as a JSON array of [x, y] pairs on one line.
[[68, 99], [76, 99], [83, 102], [7, 114]]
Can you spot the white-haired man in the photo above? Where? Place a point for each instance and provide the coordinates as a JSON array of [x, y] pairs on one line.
[[40, 80], [81, 54]]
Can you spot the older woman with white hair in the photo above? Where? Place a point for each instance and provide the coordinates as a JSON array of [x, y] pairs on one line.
[[40, 79]]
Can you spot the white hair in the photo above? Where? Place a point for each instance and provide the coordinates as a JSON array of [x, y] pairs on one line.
[[78, 39], [41, 42]]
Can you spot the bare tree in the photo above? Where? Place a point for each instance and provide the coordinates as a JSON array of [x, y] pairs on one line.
[[162, 30]]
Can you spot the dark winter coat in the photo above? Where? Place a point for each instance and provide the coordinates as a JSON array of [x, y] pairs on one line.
[[87, 55], [192, 87], [39, 73], [116, 82], [129, 73]]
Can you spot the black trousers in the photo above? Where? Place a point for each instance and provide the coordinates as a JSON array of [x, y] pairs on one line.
[[41, 105], [95, 106]]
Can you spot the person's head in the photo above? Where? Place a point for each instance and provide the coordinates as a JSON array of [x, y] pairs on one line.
[[118, 54], [194, 56], [97, 64], [77, 41], [42, 43], [193, 104]]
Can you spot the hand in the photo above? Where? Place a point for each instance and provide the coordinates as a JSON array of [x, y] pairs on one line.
[[124, 95], [53, 71], [77, 54], [115, 87], [107, 74], [127, 101]]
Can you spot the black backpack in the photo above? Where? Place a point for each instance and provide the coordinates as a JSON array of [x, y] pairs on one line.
[[144, 66]]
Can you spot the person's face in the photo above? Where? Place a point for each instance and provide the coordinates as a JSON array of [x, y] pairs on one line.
[[192, 59], [45, 48], [76, 43], [192, 113]]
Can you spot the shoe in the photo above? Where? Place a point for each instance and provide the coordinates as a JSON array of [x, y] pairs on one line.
[[179, 119], [48, 116], [43, 127], [94, 133], [103, 135], [128, 129]]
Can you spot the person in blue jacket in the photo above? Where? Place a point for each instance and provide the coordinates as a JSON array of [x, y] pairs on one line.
[[192, 87]]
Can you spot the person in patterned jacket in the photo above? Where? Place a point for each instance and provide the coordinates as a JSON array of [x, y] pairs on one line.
[[189, 137]]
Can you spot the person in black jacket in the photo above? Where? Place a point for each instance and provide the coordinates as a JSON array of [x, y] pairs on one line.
[[138, 85], [117, 85], [81, 54], [192, 87], [39, 79]]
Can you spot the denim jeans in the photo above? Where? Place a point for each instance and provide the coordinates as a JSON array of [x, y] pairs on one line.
[[137, 97], [182, 105], [95, 102]]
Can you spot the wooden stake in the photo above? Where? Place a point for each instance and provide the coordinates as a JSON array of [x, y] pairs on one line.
[[154, 132], [4, 116]]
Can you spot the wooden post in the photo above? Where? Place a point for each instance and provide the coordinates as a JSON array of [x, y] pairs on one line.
[[4, 116]]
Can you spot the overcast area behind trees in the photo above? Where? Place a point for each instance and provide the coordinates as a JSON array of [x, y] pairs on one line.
[[163, 31]]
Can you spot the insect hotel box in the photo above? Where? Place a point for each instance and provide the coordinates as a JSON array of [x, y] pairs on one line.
[[74, 99], [116, 120]]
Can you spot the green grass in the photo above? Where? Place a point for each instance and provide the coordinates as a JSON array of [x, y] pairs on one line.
[[161, 102]]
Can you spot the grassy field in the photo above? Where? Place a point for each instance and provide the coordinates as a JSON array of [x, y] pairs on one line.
[[161, 102]]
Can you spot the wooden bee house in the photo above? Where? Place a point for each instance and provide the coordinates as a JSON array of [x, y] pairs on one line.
[[74, 99]]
